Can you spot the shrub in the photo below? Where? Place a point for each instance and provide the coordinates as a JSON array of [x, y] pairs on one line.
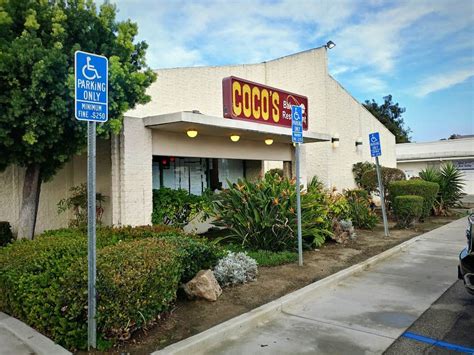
[[359, 169], [196, 252], [274, 171], [235, 268], [6, 235], [360, 212], [450, 182], [31, 273], [315, 185], [77, 203], [425, 189], [44, 282], [338, 205], [407, 209], [262, 215], [369, 180], [175, 207]]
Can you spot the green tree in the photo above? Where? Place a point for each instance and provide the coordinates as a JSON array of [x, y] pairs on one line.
[[390, 115], [38, 39]]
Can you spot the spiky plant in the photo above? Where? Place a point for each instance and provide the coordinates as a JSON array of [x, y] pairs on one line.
[[451, 183], [430, 174], [451, 186]]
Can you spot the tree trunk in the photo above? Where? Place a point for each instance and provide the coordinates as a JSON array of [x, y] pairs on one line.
[[29, 204]]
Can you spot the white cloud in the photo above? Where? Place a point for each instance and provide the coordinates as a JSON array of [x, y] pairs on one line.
[[442, 81], [370, 35], [387, 33]]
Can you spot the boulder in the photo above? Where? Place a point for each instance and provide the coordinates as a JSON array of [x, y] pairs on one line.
[[203, 285]]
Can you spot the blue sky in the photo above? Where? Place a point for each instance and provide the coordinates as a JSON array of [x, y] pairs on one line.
[[421, 52]]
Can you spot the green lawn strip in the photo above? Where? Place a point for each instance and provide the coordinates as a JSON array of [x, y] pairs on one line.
[[265, 257]]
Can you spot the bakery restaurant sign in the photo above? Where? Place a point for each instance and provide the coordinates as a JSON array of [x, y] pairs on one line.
[[249, 101]]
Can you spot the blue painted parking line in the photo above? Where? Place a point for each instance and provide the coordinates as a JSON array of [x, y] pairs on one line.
[[439, 343]]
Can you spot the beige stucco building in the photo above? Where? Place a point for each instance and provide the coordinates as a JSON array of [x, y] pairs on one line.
[[412, 158], [154, 150]]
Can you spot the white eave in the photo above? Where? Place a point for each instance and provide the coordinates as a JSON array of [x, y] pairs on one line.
[[453, 149], [219, 126]]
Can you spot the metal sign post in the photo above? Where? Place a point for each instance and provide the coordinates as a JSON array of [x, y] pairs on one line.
[[91, 240], [297, 139], [376, 151], [91, 105]]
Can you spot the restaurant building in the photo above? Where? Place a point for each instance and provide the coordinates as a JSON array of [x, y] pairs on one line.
[[205, 127]]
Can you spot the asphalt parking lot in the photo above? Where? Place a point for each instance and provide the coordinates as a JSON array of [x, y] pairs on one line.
[[447, 327]]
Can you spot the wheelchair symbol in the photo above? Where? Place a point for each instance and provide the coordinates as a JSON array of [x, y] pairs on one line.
[[91, 69], [373, 139]]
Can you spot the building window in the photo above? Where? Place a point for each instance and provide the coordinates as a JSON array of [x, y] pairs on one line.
[[195, 175]]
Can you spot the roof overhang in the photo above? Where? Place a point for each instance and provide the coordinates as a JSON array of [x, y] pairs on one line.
[[440, 159], [219, 126]]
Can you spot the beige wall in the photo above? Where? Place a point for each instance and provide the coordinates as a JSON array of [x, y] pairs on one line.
[[331, 109], [73, 174], [253, 169], [132, 174]]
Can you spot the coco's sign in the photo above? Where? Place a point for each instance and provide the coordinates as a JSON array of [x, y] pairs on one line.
[[249, 101]]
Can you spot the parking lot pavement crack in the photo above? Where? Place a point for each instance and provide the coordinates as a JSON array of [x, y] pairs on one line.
[[336, 324]]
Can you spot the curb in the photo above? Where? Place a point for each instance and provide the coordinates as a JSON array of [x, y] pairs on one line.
[[38, 343], [199, 343]]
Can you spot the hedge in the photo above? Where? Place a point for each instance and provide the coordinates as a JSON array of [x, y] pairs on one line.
[[407, 209], [44, 282], [369, 180], [425, 189]]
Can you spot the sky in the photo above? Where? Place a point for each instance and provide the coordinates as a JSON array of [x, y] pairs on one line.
[[421, 52]]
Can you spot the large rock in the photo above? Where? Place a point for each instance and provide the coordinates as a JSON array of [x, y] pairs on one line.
[[203, 285]]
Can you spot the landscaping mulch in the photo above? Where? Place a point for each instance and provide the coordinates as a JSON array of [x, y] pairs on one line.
[[191, 317]]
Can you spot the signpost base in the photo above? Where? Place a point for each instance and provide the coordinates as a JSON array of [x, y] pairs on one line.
[[382, 197]]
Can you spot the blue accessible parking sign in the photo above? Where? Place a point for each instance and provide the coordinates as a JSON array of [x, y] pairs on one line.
[[91, 87], [296, 124], [374, 142]]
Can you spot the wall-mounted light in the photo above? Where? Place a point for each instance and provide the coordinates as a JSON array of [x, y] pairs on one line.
[[192, 133], [330, 45], [234, 138], [358, 142], [335, 140], [268, 141]]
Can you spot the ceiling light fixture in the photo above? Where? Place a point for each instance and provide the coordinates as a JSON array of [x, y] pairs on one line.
[[192, 133], [234, 138], [268, 141]]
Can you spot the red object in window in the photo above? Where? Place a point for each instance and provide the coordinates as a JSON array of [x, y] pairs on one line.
[[172, 159], [164, 161]]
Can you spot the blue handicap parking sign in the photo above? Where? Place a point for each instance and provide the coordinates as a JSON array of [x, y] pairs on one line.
[[296, 124], [374, 142], [91, 87]]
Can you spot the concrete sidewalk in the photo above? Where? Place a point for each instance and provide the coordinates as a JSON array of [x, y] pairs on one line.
[[16, 338], [362, 314]]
